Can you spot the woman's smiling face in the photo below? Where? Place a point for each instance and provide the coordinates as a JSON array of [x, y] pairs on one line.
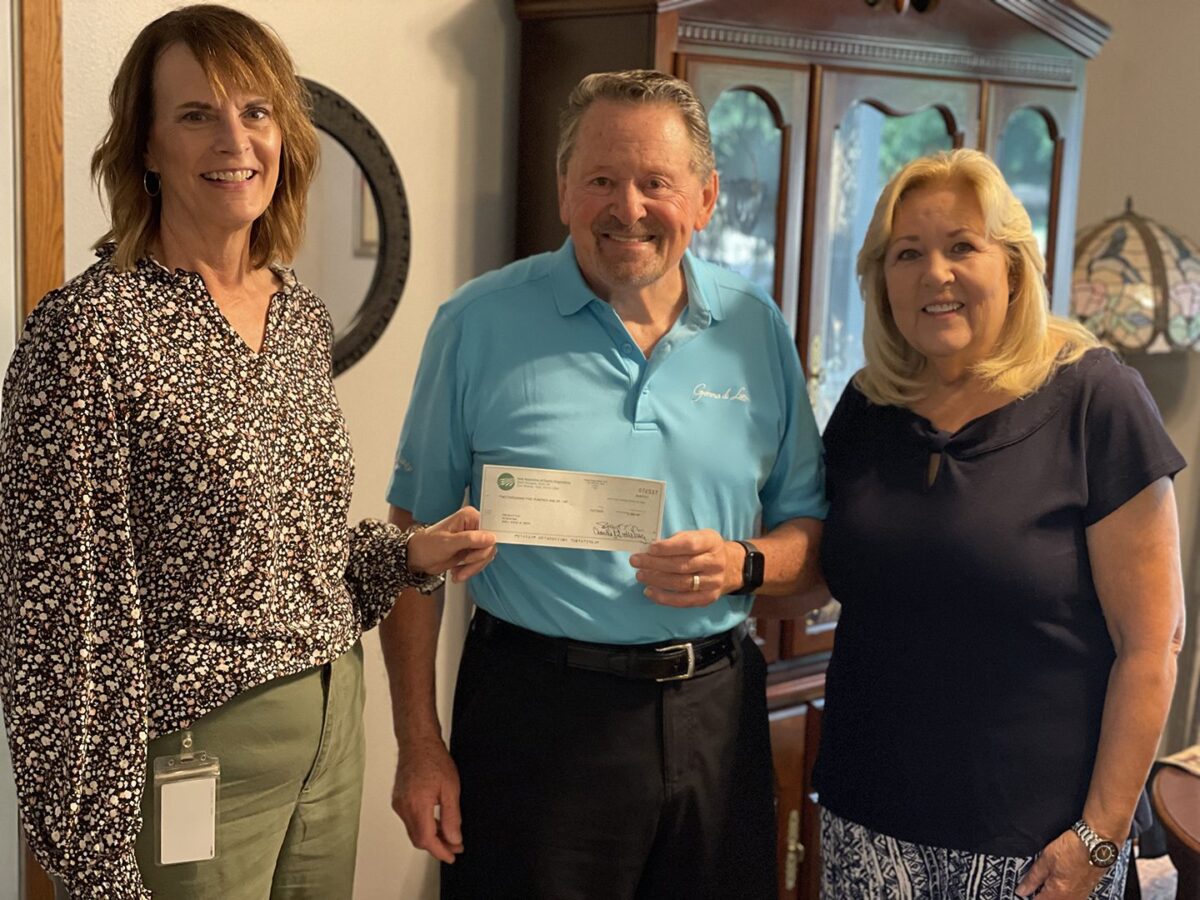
[[218, 158], [947, 281]]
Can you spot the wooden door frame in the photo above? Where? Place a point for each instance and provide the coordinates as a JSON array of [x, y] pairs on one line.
[[39, 112]]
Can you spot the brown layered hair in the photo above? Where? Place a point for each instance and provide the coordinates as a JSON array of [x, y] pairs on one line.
[[235, 52], [1032, 345]]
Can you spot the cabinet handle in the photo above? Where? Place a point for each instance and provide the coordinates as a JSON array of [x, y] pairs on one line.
[[795, 850]]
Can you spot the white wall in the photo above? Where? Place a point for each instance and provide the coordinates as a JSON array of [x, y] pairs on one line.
[[9, 310], [438, 79], [326, 262], [1141, 131]]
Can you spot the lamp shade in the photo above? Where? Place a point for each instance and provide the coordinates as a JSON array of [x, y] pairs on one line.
[[1136, 284]]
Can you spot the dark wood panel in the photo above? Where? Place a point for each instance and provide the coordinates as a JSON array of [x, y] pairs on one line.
[[35, 883], [807, 635], [812, 151], [1055, 27], [788, 730], [555, 54], [766, 634], [541, 9], [791, 689], [666, 40], [982, 24], [808, 878], [803, 638], [810, 814]]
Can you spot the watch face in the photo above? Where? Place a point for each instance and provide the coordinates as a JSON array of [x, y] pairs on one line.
[[752, 569], [1104, 854]]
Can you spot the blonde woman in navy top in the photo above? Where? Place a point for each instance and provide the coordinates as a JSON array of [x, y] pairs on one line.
[[1002, 535]]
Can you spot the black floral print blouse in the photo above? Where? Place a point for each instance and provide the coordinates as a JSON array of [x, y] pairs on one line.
[[172, 532]]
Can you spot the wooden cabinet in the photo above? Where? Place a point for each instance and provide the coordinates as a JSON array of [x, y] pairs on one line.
[[789, 732], [813, 106], [795, 737]]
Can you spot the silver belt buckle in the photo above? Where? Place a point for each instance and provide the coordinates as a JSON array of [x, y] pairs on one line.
[[691, 658]]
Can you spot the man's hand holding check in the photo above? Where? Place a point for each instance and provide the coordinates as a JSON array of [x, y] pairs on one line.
[[690, 568]]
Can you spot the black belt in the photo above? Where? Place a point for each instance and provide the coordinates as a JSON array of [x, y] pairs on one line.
[[670, 661]]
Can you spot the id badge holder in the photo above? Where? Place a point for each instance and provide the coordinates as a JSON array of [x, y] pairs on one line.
[[185, 805]]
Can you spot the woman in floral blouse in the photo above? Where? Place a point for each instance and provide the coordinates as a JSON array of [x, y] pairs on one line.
[[175, 476]]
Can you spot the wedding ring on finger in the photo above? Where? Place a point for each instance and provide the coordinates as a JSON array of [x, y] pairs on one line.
[[695, 581]]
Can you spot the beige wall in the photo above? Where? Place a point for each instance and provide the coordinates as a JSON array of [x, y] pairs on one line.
[[438, 80], [1142, 123], [1141, 134]]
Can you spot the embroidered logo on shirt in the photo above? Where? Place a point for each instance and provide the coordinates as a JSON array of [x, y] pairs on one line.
[[702, 392], [402, 463]]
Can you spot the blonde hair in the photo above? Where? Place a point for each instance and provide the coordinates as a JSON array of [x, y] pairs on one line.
[[1032, 344], [637, 86], [233, 50]]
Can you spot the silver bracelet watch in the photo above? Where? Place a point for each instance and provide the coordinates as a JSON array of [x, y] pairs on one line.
[[1102, 852]]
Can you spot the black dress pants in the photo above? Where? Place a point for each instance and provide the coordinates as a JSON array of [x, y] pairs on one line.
[[581, 785]]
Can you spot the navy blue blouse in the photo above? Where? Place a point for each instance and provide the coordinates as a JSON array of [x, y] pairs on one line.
[[965, 692]]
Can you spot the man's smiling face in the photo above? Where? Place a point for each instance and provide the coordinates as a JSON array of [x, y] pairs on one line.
[[631, 196]]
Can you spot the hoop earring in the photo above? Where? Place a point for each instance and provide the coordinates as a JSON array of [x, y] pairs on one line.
[[152, 183]]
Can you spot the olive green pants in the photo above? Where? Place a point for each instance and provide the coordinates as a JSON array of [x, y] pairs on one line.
[[291, 754]]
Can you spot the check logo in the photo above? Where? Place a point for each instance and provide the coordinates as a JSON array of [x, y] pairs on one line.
[[701, 392]]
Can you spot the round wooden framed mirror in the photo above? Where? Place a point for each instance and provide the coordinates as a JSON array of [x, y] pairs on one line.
[[357, 246]]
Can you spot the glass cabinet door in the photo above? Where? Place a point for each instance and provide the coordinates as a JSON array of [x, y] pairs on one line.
[[872, 126], [869, 145], [758, 118], [1025, 154], [1027, 128], [747, 140]]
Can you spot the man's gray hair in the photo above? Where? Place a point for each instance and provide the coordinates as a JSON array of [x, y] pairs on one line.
[[638, 86]]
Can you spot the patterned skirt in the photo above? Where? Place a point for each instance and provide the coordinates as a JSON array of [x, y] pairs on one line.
[[861, 864]]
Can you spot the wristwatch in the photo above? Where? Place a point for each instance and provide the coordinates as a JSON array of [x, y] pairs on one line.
[[752, 569], [1101, 853]]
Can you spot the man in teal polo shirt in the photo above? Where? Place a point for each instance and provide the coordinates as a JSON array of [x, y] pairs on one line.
[[610, 733]]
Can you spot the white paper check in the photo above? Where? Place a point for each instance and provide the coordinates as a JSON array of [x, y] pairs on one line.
[[558, 508]]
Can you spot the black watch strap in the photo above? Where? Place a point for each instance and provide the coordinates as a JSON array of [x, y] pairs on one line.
[[752, 569]]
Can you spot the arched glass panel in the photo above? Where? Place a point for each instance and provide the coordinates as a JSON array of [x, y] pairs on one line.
[[869, 147], [1025, 154], [748, 144]]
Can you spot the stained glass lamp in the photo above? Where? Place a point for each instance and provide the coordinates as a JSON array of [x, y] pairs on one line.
[[1136, 284]]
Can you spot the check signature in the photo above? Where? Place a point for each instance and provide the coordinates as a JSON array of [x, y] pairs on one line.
[[622, 531]]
